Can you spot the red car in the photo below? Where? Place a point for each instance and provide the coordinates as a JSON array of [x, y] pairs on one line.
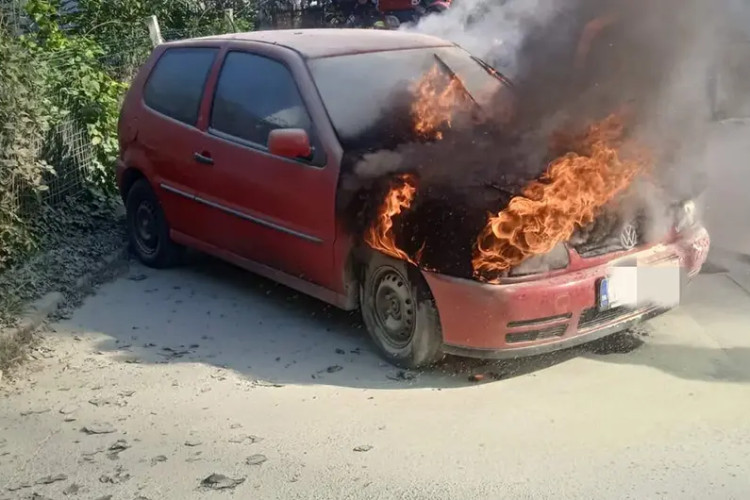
[[233, 145]]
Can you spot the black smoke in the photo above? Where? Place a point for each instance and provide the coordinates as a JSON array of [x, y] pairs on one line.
[[651, 60]]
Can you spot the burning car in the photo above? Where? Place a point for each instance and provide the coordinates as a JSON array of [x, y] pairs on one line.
[[316, 158]]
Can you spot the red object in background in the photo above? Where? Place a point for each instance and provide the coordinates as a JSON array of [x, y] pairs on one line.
[[262, 193], [397, 5]]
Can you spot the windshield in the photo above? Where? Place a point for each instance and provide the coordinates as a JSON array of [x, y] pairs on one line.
[[366, 94]]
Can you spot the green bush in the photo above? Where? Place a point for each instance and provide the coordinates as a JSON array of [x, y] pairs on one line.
[[79, 84], [74, 67], [26, 113]]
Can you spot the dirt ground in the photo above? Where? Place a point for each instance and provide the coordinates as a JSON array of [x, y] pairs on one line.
[[164, 378]]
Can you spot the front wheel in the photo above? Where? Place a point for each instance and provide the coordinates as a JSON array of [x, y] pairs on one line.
[[399, 313]]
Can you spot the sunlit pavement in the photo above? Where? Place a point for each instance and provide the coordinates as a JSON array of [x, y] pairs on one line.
[[186, 365]]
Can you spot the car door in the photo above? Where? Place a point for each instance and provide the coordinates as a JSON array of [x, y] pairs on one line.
[[168, 133], [273, 210]]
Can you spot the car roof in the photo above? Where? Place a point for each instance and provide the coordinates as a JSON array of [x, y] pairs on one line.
[[315, 43]]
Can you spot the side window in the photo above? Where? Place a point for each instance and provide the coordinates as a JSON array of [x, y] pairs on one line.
[[176, 84], [255, 95]]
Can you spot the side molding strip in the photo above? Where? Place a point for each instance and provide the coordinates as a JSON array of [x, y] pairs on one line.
[[241, 215]]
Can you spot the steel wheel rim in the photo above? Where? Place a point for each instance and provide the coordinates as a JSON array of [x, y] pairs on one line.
[[393, 307], [145, 228]]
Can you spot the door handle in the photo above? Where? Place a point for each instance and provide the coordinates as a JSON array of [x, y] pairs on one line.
[[203, 158]]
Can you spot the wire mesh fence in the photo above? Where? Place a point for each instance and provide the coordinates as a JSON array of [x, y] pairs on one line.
[[68, 148]]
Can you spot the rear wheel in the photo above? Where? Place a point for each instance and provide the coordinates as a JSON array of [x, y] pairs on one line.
[[148, 230], [400, 313]]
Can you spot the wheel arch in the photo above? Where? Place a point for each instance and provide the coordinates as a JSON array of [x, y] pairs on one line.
[[356, 267], [130, 176], [424, 346]]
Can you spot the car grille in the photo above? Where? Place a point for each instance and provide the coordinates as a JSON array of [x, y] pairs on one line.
[[532, 335], [594, 317], [529, 322], [612, 243], [604, 248]]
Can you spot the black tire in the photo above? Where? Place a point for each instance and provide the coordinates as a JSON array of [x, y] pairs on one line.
[[148, 230], [400, 313]]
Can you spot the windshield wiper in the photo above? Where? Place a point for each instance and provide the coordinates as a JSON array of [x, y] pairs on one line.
[[492, 71], [453, 76]]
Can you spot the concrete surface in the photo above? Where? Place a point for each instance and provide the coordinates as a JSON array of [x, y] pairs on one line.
[[726, 204], [203, 369]]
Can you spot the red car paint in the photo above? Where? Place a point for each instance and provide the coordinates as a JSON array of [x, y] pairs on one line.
[[556, 310], [276, 216]]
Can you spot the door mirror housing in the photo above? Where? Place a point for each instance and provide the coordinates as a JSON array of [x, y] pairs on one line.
[[290, 143]]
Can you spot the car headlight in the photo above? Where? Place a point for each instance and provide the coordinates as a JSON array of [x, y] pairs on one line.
[[686, 216], [555, 259]]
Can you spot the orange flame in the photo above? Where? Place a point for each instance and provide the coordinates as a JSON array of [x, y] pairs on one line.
[[569, 195], [380, 235], [437, 96]]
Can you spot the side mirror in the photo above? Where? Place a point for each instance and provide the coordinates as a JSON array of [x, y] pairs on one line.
[[289, 143]]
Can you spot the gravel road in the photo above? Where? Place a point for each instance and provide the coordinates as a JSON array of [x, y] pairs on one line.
[[207, 381]]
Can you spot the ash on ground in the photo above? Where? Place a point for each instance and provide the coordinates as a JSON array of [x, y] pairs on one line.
[[77, 234]]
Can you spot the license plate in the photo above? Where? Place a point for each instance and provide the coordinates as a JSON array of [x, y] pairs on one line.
[[617, 287], [607, 296], [638, 286]]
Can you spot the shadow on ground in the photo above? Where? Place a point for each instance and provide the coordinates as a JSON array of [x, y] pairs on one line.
[[210, 312]]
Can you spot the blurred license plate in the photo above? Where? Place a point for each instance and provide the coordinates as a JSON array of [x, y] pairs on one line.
[[651, 284], [617, 287], [607, 296]]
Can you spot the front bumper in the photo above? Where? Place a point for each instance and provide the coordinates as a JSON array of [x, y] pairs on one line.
[[550, 313]]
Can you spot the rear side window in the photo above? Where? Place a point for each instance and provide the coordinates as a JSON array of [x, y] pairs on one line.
[[255, 95], [175, 86]]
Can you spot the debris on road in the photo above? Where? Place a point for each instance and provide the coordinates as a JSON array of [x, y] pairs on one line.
[[173, 353], [193, 442], [256, 459], [119, 476], [119, 446], [72, 489], [107, 402], [480, 377], [158, 459], [52, 479], [363, 448], [34, 411], [401, 375], [247, 437], [67, 410], [19, 486], [88, 456], [38, 496], [334, 369], [265, 383], [340, 351], [221, 482], [99, 428]]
